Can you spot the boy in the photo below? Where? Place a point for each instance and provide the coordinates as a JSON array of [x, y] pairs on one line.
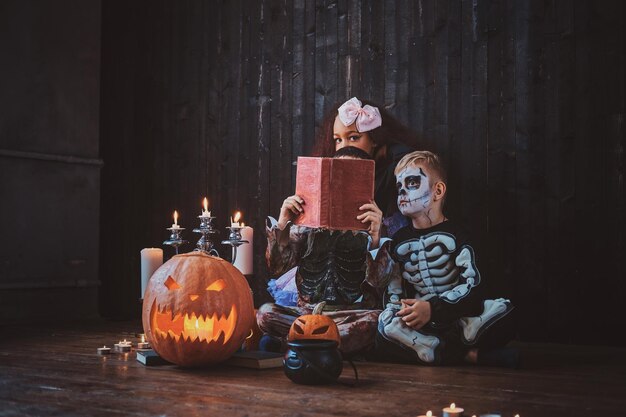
[[434, 311]]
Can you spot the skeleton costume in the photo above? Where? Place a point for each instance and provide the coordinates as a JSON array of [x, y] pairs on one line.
[[331, 267], [437, 265]]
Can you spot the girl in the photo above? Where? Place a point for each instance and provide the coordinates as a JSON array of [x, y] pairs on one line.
[[364, 125]]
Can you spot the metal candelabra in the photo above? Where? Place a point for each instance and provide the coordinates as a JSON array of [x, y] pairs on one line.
[[175, 239], [234, 240], [206, 229]]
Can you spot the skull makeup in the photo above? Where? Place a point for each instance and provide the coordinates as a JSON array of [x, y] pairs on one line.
[[414, 193]]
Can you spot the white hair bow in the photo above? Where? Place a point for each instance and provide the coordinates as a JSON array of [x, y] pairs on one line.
[[367, 117]]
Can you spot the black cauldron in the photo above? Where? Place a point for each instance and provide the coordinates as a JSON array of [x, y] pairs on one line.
[[313, 362]]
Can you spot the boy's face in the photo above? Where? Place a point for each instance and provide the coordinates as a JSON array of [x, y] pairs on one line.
[[414, 192]]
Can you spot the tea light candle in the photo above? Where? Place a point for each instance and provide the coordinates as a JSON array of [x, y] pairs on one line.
[[243, 262], [122, 347], [143, 344], [428, 414], [452, 411], [205, 205], [104, 350], [151, 260], [175, 225]]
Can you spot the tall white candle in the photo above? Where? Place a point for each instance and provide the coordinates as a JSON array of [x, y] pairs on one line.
[[243, 262], [151, 260]]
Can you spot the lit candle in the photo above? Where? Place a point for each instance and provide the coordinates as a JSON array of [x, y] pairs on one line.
[[151, 260], [205, 204], [235, 222], [104, 350], [428, 414], [123, 346], [175, 225], [143, 344], [243, 262], [452, 411]]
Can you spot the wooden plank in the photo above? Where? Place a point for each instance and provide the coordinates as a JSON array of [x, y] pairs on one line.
[[391, 57], [280, 109], [326, 71], [373, 43], [501, 147], [417, 76]]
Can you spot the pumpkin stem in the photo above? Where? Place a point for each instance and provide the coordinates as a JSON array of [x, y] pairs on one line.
[[319, 308]]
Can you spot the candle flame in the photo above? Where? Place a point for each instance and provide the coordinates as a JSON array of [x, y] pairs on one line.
[[452, 406], [205, 204], [237, 216], [196, 323], [429, 413], [143, 338], [175, 217]]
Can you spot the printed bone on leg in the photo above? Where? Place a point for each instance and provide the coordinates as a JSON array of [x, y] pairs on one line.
[[472, 325], [422, 344]]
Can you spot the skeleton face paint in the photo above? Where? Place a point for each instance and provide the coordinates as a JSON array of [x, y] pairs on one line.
[[414, 193]]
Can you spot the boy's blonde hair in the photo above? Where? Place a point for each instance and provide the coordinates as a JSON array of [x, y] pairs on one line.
[[427, 158]]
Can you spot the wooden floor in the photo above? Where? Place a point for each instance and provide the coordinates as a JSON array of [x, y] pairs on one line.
[[45, 371]]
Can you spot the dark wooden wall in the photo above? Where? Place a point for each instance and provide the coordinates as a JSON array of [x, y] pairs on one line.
[[49, 159], [524, 99]]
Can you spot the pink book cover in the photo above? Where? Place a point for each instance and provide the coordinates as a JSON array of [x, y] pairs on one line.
[[333, 190]]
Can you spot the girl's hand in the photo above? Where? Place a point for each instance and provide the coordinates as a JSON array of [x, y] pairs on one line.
[[373, 215], [291, 208], [415, 313]]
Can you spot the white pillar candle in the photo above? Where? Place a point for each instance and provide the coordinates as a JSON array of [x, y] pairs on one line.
[[243, 262], [151, 260]]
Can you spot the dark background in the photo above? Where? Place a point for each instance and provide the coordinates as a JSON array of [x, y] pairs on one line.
[[115, 113]]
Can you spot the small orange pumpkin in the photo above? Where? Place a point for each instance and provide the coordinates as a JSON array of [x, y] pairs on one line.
[[197, 310], [314, 326]]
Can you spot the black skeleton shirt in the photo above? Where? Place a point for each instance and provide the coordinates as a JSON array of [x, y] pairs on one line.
[[436, 265]]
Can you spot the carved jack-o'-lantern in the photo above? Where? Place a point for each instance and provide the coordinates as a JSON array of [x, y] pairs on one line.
[[314, 326], [197, 309]]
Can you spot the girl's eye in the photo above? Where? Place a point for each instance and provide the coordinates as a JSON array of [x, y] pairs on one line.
[[337, 140], [355, 138]]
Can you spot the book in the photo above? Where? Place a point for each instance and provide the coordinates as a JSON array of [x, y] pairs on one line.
[[256, 359], [149, 357], [333, 190]]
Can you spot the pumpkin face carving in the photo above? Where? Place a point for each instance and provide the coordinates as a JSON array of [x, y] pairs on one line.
[[314, 326], [197, 310]]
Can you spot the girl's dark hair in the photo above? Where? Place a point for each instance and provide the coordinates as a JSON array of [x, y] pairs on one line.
[[352, 152], [391, 131]]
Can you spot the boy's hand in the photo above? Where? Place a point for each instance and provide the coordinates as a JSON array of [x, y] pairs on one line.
[[415, 313], [374, 215], [291, 208]]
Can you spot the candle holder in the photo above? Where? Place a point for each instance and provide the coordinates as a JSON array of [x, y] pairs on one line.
[[206, 229], [175, 239], [234, 240]]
